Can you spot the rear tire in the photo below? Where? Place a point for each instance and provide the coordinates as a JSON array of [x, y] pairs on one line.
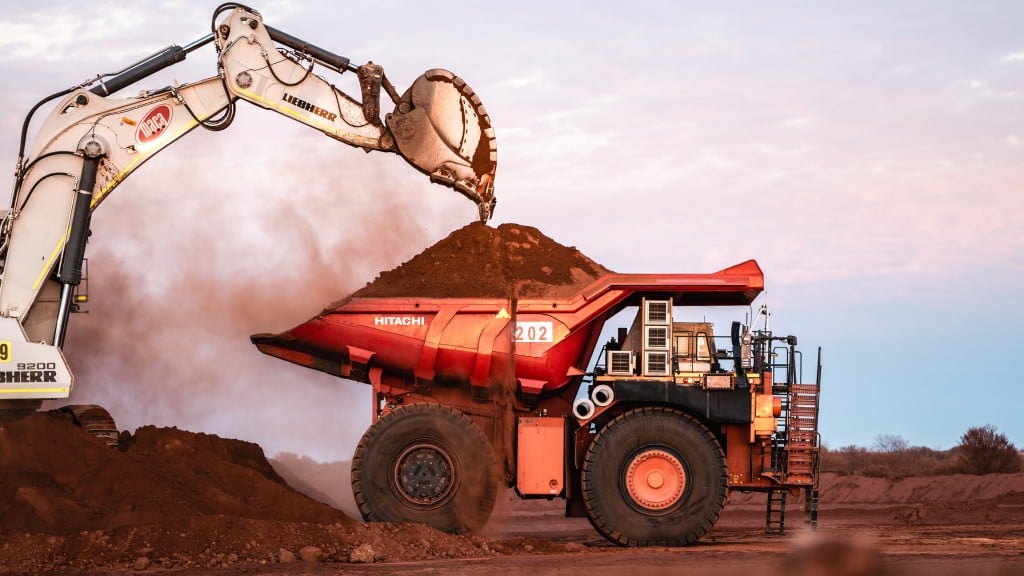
[[425, 463], [654, 477]]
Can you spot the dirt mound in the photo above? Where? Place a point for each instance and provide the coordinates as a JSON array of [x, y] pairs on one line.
[[478, 261], [57, 479], [168, 498]]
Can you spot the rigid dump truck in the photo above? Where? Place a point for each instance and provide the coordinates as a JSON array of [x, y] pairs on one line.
[[646, 441]]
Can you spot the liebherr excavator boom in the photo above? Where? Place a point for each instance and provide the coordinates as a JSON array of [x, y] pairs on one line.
[[92, 141]]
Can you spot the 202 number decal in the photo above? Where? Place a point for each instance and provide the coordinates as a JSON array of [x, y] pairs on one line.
[[534, 332]]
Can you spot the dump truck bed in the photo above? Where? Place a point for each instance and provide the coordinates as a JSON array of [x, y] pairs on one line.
[[543, 344]]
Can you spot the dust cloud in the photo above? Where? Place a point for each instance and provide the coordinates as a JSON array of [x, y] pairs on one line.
[[197, 251], [327, 482]]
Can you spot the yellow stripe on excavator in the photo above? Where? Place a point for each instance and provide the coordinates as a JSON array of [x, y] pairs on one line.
[[98, 197], [34, 390], [49, 261]]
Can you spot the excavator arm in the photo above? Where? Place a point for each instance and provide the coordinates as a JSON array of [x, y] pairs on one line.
[[92, 141], [438, 125]]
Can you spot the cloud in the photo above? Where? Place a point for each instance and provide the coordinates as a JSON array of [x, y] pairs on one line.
[[521, 81], [796, 121], [1013, 57], [40, 37]]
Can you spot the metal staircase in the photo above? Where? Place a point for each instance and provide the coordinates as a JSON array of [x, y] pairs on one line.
[[801, 435], [794, 461]]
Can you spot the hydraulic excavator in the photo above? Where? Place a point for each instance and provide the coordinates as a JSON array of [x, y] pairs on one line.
[[93, 139]]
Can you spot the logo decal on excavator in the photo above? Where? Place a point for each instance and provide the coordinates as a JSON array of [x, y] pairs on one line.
[[154, 124], [308, 107], [27, 376]]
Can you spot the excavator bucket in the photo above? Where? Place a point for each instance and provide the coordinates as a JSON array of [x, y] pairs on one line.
[[441, 128]]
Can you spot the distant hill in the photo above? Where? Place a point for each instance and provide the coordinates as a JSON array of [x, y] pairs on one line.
[[327, 482]]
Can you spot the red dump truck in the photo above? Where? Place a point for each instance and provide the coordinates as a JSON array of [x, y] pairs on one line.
[[646, 438]]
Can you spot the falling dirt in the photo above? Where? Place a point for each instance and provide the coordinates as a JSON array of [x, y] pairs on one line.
[[477, 260]]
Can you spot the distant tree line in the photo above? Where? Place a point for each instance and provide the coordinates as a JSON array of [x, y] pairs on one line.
[[982, 450]]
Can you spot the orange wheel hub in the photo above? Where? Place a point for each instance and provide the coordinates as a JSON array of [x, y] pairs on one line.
[[655, 479]]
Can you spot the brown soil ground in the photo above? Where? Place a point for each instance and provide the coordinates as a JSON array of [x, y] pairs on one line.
[[170, 500], [511, 260]]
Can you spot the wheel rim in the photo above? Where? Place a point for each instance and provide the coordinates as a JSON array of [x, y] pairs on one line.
[[655, 479], [424, 475]]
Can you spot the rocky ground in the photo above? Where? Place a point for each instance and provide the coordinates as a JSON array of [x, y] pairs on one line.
[[171, 500]]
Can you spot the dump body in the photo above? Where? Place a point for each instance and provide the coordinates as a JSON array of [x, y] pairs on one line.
[[543, 345]]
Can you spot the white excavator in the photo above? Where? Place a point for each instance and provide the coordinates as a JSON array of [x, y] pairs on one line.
[[92, 141]]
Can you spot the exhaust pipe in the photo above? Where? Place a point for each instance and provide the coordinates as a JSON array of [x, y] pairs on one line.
[[583, 408], [602, 395]]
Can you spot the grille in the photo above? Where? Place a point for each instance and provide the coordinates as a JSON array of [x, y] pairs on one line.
[[657, 337], [620, 362], [657, 312], [656, 364]]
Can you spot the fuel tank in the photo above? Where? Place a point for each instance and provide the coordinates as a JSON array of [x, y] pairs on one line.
[[541, 344]]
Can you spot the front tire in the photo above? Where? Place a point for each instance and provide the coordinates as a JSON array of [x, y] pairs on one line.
[[654, 477], [425, 463]]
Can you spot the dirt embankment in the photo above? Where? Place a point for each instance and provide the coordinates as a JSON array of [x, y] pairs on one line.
[[172, 499], [57, 480]]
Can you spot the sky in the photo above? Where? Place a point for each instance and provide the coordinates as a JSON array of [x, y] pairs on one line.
[[869, 155]]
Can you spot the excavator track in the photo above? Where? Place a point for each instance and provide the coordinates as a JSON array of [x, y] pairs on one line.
[[14, 409], [93, 419]]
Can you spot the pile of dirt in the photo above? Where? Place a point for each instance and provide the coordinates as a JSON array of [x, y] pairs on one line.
[[57, 479], [478, 261], [169, 499]]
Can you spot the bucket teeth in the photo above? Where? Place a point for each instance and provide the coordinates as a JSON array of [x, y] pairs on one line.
[[441, 127]]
